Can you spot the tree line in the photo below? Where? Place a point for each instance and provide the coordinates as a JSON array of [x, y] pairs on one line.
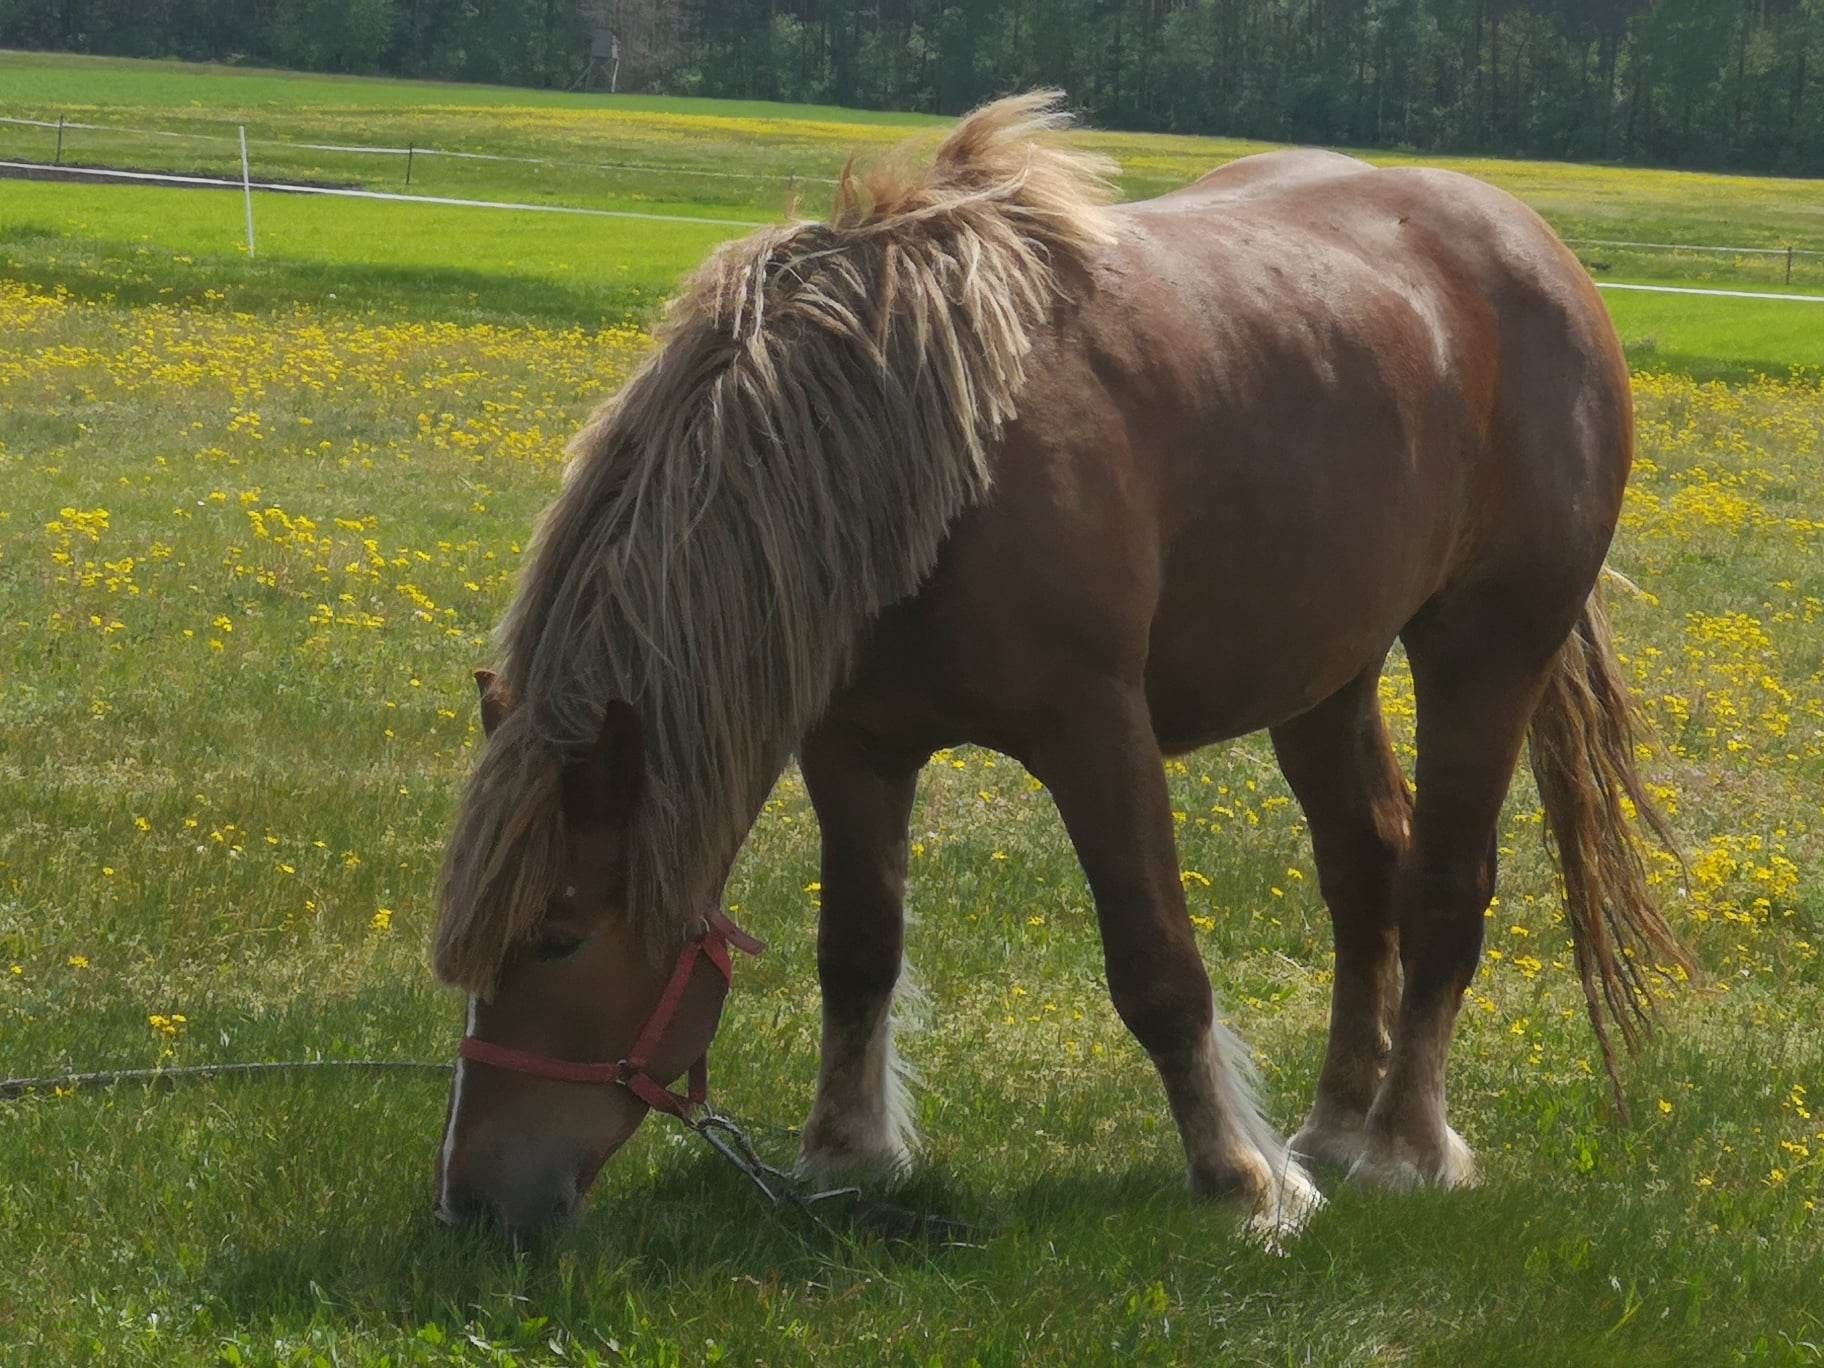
[[1718, 83]]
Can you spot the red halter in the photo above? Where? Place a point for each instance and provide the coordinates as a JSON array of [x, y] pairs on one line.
[[630, 1073]]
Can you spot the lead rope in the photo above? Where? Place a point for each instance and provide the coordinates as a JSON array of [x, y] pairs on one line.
[[726, 1137]]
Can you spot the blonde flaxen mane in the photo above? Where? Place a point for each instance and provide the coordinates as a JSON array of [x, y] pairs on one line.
[[821, 406]]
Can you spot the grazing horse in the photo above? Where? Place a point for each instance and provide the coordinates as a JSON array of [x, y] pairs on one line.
[[986, 459]]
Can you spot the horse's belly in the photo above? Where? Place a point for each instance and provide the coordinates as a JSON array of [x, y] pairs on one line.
[[1293, 557], [1227, 682]]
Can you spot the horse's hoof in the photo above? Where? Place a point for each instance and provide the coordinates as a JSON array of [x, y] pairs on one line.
[[1274, 1193], [1286, 1208], [1328, 1143], [1399, 1166], [876, 1169]]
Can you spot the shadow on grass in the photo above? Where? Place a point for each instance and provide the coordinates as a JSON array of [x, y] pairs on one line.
[[699, 1224], [115, 274], [1647, 356]]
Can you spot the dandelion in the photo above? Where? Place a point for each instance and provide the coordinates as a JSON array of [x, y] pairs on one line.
[[382, 923]]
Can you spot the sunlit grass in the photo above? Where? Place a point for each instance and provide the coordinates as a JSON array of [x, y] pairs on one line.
[[249, 559], [259, 517], [779, 141]]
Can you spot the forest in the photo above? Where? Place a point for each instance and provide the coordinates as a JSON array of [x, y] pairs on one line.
[[1705, 83]]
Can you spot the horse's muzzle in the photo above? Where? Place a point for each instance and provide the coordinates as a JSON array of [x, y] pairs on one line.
[[522, 1199]]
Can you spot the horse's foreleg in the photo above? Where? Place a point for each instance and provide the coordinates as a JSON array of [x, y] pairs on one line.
[[861, 1124], [1473, 708], [1341, 767], [1106, 774]]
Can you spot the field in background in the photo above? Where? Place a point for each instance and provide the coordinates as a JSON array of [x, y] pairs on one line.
[[259, 517], [660, 149]]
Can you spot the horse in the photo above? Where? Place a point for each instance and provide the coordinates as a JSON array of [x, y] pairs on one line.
[[987, 458]]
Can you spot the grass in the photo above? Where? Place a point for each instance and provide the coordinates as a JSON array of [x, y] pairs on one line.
[[147, 244], [773, 140], [127, 242], [259, 518]]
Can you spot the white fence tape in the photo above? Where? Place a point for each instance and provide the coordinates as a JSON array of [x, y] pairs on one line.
[[1719, 294], [172, 178], [364, 149], [360, 149], [169, 178], [339, 192], [1695, 247]]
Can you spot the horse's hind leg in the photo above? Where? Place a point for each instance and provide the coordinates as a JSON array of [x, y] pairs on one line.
[[1478, 670], [861, 1123], [1339, 762], [1106, 774]]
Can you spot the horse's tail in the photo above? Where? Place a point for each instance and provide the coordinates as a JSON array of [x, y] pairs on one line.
[[1583, 742]]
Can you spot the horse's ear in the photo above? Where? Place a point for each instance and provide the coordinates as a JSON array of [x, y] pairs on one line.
[[493, 708], [602, 786]]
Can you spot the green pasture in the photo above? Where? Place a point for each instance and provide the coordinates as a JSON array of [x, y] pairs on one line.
[[258, 519], [150, 243], [666, 140]]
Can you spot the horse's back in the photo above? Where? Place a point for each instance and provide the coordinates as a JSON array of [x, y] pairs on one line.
[[1307, 397], [1281, 413], [1321, 293], [1266, 171]]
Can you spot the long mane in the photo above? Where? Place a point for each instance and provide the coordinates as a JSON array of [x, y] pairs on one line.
[[821, 406]]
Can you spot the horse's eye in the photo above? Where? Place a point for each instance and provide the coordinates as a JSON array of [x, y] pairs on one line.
[[555, 945]]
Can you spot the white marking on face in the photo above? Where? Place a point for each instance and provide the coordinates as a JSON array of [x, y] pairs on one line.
[[449, 1134]]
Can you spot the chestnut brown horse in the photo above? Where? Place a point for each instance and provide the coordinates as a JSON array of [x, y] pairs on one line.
[[984, 459]]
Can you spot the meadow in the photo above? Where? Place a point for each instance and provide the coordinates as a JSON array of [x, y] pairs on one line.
[[259, 517]]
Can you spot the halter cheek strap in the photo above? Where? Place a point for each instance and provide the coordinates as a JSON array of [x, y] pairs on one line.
[[631, 1073]]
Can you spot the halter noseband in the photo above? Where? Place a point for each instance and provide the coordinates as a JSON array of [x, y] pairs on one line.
[[712, 944]]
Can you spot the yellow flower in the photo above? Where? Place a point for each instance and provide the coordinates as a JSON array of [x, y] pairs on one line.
[[79, 961], [382, 922]]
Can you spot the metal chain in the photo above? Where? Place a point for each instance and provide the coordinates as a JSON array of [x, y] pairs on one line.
[[727, 1138]]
